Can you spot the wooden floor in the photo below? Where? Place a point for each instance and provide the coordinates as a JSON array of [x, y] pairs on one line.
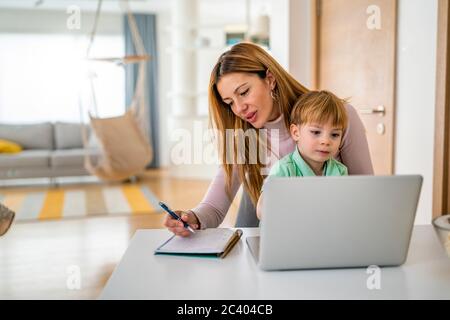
[[38, 259]]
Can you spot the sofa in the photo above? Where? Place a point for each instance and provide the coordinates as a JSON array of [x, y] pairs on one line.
[[49, 150]]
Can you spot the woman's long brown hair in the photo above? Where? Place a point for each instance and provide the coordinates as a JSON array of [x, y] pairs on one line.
[[248, 58]]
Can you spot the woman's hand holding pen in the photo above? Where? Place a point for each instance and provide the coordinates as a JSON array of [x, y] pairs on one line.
[[177, 226]]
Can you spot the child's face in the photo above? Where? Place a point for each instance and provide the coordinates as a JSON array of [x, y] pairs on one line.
[[317, 142]]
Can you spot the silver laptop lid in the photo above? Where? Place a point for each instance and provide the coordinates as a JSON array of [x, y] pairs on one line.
[[333, 222]]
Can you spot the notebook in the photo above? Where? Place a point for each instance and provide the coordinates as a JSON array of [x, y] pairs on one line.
[[209, 242]]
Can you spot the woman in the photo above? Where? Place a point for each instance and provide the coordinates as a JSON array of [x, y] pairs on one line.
[[248, 90]]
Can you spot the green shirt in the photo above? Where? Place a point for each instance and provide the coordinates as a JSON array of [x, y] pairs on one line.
[[293, 165]]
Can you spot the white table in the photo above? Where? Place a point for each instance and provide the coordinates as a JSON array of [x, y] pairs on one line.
[[143, 275]]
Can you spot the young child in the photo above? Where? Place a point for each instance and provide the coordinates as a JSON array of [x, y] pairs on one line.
[[318, 121]]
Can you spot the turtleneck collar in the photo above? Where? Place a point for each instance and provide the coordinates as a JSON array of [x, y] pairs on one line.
[[278, 123]]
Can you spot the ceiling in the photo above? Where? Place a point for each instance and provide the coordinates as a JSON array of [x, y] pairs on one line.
[[88, 5], [233, 9]]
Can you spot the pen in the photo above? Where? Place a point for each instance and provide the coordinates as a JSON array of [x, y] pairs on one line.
[[175, 216]]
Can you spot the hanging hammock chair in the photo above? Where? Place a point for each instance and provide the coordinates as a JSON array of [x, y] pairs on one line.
[[124, 140]]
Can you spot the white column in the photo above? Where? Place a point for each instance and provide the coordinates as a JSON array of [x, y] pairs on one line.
[[186, 127], [290, 37], [415, 96], [184, 18]]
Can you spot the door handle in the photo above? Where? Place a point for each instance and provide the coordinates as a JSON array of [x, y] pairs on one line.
[[381, 110]]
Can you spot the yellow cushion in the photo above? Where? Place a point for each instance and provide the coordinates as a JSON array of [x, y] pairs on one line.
[[9, 147]]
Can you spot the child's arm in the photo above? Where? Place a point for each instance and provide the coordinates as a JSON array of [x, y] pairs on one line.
[[277, 170], [259, 207]]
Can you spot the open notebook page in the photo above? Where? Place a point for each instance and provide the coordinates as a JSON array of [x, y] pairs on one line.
[[212, 240]]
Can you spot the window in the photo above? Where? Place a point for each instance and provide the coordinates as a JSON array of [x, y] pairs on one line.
[[43, 77]]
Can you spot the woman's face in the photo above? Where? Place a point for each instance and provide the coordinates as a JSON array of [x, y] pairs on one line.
[[249, 97]]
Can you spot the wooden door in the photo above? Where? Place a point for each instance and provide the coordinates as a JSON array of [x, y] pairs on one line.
[[441, 179], [356, 60]]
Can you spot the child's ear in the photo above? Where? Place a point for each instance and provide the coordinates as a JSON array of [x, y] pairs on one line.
[[295, 131]]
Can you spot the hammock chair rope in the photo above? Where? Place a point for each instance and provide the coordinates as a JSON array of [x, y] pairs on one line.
[[124, 140]]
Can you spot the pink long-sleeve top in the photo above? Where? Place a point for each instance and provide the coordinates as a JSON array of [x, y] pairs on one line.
[[354, 153]]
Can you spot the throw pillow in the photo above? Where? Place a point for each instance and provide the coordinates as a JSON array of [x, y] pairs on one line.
[[7, 146]]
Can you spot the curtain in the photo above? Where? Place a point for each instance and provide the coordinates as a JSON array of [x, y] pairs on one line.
[[146, 24]]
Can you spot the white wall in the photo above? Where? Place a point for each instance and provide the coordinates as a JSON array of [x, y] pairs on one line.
[[416, 73]]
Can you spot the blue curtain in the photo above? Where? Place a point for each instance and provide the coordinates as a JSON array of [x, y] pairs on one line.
[[146, 24]]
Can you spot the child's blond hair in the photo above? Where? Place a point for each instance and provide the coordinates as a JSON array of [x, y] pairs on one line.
[[320, 107]]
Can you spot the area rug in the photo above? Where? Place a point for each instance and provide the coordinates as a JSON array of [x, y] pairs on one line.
[[60, 203]]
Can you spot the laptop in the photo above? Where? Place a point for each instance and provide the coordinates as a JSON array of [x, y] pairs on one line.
[[336, 222]]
